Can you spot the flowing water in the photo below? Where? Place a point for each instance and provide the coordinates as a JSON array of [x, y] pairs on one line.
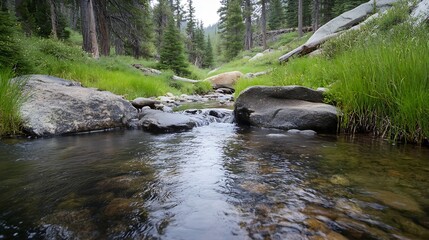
[[214, 182]]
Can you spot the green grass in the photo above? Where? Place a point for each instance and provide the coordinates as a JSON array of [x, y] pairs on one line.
[[378, 76], [115, 73], [10, 101]]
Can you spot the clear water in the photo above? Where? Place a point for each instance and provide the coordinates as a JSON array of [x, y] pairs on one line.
[[215, 182]]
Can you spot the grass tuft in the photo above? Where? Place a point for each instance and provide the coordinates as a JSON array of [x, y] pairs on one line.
[[10, 102]]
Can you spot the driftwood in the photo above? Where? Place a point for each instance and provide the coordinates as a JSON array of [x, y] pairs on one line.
[[306, 48], [338, 25], [177, 78]]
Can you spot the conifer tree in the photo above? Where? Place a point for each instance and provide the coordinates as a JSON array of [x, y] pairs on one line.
[[234, 29], [161, 14], [208, 54], [199, 46], [172, 52], [190, 33], [11, 56], [276, 16]]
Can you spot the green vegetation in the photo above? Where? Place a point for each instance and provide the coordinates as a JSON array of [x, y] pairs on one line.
[[378, 76], [10, 101]]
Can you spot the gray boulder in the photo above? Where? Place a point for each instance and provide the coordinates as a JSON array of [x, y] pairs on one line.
[[290, 107], [163, 122], [141, 102], [421, 12], [56, 106]]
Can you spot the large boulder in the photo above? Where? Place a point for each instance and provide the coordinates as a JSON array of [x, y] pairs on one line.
[[225, 80], [56, 106], [164, 122], [290, 107]]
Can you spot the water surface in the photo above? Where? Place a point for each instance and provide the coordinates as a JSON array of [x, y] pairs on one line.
[[215, 182]]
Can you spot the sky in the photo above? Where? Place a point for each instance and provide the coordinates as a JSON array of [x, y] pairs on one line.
[[206, 10]]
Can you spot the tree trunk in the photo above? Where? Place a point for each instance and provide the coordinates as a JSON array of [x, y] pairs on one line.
[[103, 26], [53, 19], [248, 18], [17, 4], [300, 32], [316, 15], [89, 32], [119, 46], [264, 23]]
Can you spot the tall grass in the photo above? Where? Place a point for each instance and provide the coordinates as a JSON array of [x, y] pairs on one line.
[[115, 73], [11, 99], [383, 85], [378, 76]]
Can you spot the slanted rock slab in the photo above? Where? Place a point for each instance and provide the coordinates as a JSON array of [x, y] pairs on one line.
[[225, 80], [56, 106], [289, 107]]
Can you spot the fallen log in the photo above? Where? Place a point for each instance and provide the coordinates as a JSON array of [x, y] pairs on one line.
[[181, 79]]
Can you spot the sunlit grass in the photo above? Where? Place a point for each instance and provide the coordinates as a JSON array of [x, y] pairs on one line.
[[10, 102]]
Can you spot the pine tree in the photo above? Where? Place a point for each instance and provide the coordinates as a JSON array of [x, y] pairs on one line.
[[172, 52], [276, 16], [11, 56], [208, 54], [234, 30], [161, 14], [190, 33], [199, 46]]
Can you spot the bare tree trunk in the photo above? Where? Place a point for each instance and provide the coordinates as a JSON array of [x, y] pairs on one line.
[[93, 32], [264, 23], [316, 15], [17, 4], [103, 26], [89, 32], [300, 32], [119, 46], [53, 19], [248, 18]]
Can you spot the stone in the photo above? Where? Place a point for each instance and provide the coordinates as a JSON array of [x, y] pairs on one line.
[[225, 90], [141, 102], [421, 12], [225, 80], [164, 122], [289, 107], [56, 106], [396, 201]]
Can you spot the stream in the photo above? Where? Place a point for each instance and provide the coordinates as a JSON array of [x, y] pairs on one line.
[[215, 182]]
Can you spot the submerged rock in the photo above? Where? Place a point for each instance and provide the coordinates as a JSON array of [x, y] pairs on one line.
[[396, 201], [56, 106], [290, 107]]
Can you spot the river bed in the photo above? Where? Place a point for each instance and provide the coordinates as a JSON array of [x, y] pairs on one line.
[[214, 182]]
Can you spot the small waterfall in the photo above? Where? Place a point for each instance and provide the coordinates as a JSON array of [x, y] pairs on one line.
[[204, 117]]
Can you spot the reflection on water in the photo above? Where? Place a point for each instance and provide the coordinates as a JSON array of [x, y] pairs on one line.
[[215, 182]]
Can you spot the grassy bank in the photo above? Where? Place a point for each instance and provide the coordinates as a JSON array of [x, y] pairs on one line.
[[10, 101], [66, 60], [378, 76]]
